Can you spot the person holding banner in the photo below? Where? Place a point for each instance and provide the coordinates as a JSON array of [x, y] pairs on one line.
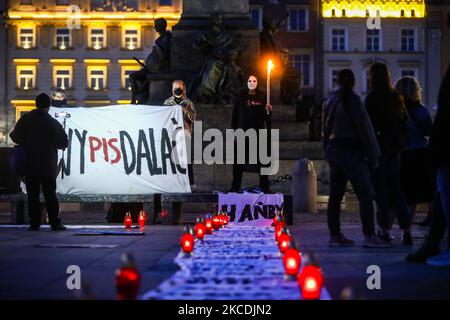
[[250, 111], [42, 136], [189, 114]]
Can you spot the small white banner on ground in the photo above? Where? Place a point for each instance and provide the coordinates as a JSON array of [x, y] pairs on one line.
[[251, 208], [123, 149]]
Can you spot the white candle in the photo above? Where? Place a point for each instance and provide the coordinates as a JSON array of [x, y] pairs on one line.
[[269, 68]]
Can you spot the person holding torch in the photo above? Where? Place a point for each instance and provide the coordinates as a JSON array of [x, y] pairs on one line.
[[252, 110]]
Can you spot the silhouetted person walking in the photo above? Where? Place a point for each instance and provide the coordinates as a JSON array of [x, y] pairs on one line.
[[42, 136], [389, 118], [350, 149]]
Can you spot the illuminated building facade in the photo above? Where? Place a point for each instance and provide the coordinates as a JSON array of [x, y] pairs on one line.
[[87, 52], [403, 40]]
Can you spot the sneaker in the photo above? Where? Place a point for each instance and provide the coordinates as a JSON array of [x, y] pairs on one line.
[[33, 228], [375, 242], [58, 227], [441, 260], [407, 239], [340, 241], [423, 253]]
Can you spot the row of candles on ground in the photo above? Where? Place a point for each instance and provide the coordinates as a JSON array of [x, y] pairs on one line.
[[203, 227], [142, 218], [128, 279], [310, 278]]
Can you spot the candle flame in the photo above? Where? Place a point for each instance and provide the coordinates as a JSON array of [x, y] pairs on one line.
[[269, 66]]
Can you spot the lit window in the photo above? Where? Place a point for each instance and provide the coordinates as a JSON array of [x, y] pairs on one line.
[[63, 38], [298, 20], [302, 63], [256, 17], [373, 40], [126, 79], [97, 39], [366, 80], [127, 66], [333, 79], [97, 73], [338, 40], [408, 40], [27, 76], [97, 81], [131, 39], [26, 38], [62, 77]]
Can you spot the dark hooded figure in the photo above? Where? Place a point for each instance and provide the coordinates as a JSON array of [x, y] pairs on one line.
[[41, 136], [158, 60], [290, 83], [250, 111]]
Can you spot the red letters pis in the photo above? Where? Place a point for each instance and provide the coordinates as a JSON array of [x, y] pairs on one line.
[[108, 146]]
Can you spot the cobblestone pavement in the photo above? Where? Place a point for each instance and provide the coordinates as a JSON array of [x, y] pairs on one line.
[[31, 272]]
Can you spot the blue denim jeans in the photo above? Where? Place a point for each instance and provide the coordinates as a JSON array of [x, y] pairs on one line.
[[443, 187]]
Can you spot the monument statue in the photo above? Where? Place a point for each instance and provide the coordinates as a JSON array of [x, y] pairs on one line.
[[220, 78], [157, 61], [290, 83]]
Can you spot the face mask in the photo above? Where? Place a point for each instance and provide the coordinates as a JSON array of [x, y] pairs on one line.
[[58, 103], [178, 92], [252, 83]]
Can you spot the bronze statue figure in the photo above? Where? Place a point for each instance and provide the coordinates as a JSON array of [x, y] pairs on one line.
[[157, 61], [220, 78], [290, 84]]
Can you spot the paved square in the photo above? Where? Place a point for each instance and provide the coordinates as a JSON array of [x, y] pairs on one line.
[[32, 269]]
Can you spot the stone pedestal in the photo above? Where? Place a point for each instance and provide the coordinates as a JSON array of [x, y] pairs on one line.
[[160, 87], [195, 20]]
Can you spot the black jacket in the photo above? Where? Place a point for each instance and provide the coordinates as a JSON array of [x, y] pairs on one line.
[[42, 136], [344, 117], [390, 126], [249, 111]]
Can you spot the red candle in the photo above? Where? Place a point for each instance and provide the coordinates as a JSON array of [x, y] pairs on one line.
[[291, 262], [208, 226], [279, 230], [226, 218], [283, 242], [142, 218], [128, 279], [128, 220], [187, 243], [310, 280], [200, 229], [216, 222]]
